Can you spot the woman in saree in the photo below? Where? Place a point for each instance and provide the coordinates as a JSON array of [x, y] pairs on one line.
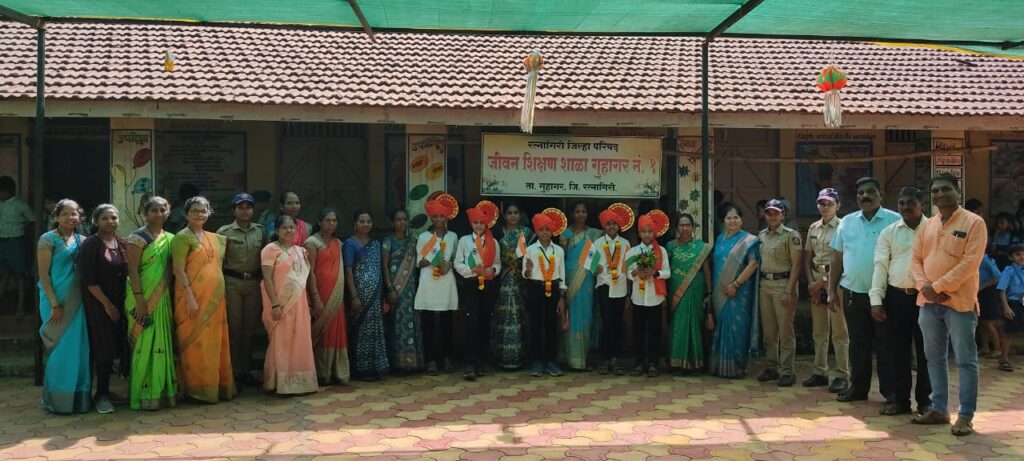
[[200, 309], [364, 275], [510, 312], [287, 286], [577, 241], [690, 299], [153, 380], [405, 339], [734, 297], [103, 268], [290, 205], [330, 330], [67, 379]]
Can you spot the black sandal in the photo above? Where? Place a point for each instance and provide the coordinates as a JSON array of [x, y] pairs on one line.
[[1005, 365]]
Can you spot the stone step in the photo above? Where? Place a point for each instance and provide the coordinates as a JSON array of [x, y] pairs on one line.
[[17, 365]]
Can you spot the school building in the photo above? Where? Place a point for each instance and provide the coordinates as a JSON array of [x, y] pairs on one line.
[[333, 116]]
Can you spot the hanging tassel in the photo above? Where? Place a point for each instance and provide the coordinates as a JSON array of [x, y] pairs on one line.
[[169, 61], [833, 109], [830, 81], [533, 63]]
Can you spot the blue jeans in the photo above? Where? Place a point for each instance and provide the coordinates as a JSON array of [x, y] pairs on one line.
[[939, 324]]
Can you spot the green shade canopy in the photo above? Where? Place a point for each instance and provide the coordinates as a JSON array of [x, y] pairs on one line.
[[986, 25]]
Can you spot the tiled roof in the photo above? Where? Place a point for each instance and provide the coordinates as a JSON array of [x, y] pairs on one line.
[[106, 61]]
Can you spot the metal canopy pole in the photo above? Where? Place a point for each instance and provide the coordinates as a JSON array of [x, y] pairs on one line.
[[37, 161], [705, 146], [705, 129]]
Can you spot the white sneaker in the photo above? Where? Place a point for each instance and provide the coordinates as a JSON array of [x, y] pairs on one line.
[[103, 406]]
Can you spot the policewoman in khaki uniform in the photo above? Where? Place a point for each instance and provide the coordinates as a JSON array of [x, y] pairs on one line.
[[780, 272], [817, 263], [242, 276]]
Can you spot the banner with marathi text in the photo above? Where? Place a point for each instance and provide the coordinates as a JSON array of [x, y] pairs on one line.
[[566, 165]]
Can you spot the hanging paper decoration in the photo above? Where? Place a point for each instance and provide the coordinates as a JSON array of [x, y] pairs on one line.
[[534, 62], [830, 81], [169, 61]]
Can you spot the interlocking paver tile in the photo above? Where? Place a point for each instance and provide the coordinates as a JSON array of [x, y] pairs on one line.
[[579, 416]]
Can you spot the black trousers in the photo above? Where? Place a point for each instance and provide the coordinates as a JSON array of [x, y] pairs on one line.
[[478, 306], [862, 336], [646, 334], [545, 323], [611, 323], [894, 338], [437, 335]]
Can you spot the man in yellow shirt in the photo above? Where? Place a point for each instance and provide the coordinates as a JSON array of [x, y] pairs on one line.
[[947, 255]]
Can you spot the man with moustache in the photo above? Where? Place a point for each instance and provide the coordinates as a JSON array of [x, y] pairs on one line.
[[852, 264], [946, 257], [896, 316]]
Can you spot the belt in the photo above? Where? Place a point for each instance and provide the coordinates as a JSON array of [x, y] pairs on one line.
[[906, 291], [243, 275], [824, 267], [775, 275]]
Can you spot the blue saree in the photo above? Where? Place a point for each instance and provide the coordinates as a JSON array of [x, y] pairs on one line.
[[737, 332], [67, 379], [579, 297]]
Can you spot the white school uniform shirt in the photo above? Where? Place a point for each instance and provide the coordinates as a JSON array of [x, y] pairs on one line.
[[467, 247], [441, 294], [618, 289], [648, 297], [535, 251]]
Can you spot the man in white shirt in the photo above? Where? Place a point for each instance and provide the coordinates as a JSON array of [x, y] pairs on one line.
[[544, 271], [894, 308], [648, 296], [16, 221], [608, 264], [477, 260]]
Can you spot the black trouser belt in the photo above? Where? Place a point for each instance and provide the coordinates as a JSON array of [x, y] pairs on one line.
[[243, 275], [775, 275]]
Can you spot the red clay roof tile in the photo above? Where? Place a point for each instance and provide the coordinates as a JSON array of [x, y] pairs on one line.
[[107, 61]]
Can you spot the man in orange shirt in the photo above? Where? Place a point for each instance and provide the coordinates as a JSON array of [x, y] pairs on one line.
[[947, 254]]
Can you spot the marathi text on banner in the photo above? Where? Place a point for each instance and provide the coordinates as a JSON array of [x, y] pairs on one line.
[[426, 175], [608, 166]]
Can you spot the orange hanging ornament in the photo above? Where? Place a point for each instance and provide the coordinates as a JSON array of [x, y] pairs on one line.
[[547, 271], [533, 63], [830, 81]]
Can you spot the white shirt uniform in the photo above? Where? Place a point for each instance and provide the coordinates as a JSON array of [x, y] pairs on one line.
[[648, 297], [537, 251], [440, 294], [619, 288], [467, 249]]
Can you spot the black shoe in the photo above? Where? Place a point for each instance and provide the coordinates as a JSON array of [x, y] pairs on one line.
[[815, 381], [469, 374], [481, 370], [852, 395], [637, 370], [768, 375], [838, 385], [893, 409], [448, 367], [787, 380], [432, 368]]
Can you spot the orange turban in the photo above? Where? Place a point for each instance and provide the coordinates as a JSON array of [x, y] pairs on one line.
[[645, 221], [541, 221], [436, 207], [608, 216], [475, 215]]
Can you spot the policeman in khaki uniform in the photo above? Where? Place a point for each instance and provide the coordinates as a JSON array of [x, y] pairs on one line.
[[817, 263], [245, 240], [780, 272]]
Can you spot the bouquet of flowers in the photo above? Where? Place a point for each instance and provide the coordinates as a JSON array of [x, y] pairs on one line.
[[645, 260], [508, 257]]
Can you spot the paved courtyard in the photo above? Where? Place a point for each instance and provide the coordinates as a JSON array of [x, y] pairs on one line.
[[511, 416]]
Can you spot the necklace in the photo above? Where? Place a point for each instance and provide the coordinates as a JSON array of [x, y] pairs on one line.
[[613, 260], [549, 271]]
